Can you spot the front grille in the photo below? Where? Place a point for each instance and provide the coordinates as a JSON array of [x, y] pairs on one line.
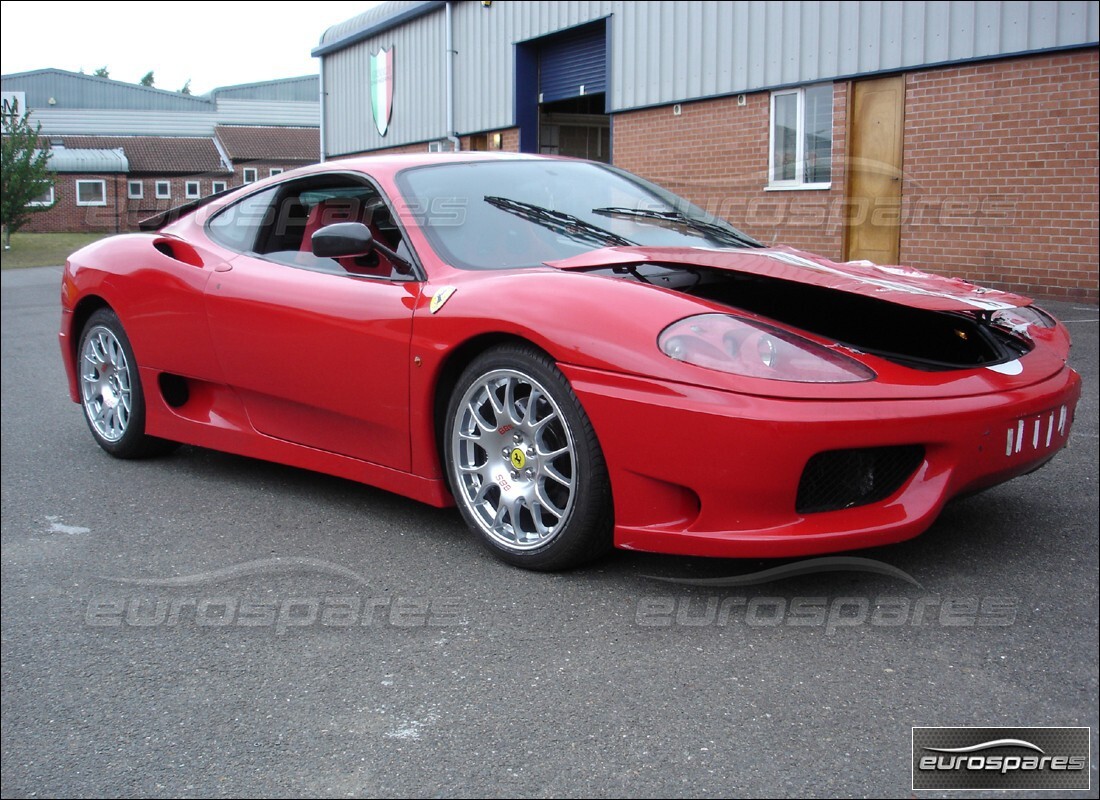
[[839, 479]]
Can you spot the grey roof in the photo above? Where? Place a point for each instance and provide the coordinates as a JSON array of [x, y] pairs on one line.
[[66, 159], [303, 89], [373, 21], [76, 90]]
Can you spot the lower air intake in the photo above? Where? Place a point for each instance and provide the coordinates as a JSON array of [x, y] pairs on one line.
[[839, 479]]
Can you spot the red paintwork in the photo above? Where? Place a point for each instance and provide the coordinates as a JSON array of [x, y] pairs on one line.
[[897, 284], [341, 376]]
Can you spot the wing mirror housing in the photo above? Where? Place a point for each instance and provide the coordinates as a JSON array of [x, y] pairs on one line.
[[342, 239]]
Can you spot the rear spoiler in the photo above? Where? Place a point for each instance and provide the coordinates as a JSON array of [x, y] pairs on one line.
[[164, 218]]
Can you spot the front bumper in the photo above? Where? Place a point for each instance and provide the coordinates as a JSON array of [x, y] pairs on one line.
[[703, 472]]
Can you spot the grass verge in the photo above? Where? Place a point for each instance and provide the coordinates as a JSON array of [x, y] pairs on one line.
[[44, 249]]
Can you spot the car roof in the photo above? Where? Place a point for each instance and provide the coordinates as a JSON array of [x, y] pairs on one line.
[[400, 160]]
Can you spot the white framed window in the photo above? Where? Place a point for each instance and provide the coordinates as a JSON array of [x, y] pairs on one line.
[[44, 199], [251, 175], [192, 189], [217, 186], [164, 190], [800, 144], [275, 171], [135, 190], [91, 193]]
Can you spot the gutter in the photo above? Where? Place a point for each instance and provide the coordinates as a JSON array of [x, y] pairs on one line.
[[227, 162], [321, 109], [381, 26], [456, 143]]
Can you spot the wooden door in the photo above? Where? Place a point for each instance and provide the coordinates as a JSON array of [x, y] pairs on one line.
[[874, 170]]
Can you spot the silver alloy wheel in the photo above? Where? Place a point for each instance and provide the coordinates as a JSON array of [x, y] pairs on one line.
[[105, 382], [514, 459]]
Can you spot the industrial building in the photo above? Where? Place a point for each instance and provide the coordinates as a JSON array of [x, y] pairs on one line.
[[121, 152], [955, 137]]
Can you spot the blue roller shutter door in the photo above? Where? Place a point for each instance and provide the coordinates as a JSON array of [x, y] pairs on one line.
[[573, 63]]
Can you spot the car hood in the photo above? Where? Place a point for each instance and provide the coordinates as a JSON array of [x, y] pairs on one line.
[[894, 284]]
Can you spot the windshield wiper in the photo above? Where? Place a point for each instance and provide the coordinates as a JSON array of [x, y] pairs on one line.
[[559, 222], [711, 229]]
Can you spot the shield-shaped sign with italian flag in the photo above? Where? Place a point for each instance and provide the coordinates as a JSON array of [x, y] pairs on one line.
[[381, 88]]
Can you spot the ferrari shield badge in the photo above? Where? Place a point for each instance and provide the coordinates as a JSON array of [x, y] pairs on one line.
[[381, 89], [441, 297]]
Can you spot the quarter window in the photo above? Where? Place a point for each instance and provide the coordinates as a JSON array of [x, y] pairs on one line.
[[238, 226]]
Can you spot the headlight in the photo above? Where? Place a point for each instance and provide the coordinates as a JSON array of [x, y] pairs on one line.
[[757, 350], [1018, 320]]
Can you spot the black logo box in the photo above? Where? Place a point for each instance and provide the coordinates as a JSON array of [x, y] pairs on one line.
[[1057, 759]]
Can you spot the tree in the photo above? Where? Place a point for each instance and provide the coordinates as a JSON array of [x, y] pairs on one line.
[[148, 79], [25, 171], [186, 87], [102, 72]]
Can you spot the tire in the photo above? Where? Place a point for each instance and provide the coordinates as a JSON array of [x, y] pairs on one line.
[[530, 481], [110, 390]]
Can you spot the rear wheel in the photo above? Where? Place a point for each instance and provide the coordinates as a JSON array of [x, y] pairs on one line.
[[111, 392], [524, 462]]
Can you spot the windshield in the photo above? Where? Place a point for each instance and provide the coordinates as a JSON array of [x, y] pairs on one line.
[[509, 214]]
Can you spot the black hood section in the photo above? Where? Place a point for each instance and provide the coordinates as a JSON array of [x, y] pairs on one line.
[[915, 337]]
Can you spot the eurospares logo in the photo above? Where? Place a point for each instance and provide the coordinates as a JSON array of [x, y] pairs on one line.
[[1001, 758]]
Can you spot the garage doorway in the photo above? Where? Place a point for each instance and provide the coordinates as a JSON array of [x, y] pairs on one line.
[[576, 127], [561, 94]]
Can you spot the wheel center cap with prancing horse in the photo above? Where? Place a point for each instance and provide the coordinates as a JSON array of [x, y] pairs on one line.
[[518, 459]]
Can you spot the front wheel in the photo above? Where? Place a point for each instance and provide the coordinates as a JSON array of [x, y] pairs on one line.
[[111, 392], [524, 463]]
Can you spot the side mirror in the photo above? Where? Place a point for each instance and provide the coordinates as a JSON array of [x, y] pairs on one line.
[[342, 239]]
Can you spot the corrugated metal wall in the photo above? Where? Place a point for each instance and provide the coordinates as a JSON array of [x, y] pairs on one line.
[[125, 122], [668, 51], [267, 112], [73, 90], [91, 105], [103, 121], [419, 89], [289, 90]]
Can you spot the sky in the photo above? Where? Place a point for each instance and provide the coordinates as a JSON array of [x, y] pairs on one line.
[[209, 43]]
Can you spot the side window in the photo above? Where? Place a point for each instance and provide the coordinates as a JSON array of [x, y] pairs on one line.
[[240, 226], [305, 206]]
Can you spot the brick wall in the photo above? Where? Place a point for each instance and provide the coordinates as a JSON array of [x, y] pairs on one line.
[[1001, 173], [715, 154], [66, 216], [509, 142], [263, 169], [149, 204], [122, 213]]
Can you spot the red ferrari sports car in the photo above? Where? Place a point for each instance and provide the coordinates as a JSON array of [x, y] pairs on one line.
[[574, 356]]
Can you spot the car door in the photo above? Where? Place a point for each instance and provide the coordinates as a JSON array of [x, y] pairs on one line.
[[319, 355]]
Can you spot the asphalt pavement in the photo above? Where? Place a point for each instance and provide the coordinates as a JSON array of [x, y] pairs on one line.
[[208, 625]]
